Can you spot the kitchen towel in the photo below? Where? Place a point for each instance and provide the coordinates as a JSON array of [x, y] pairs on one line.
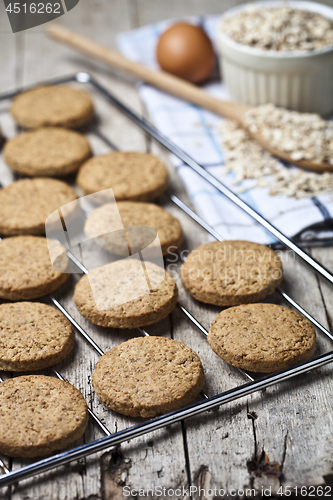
[[196, 131]]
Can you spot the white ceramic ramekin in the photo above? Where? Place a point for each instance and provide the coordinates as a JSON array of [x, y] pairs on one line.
[[296, 80]]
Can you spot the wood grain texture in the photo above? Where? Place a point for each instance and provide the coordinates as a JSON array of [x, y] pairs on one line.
[[290, 423]]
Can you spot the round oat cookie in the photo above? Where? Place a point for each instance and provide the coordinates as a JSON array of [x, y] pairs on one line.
[[57, 106], [148, 376], [228, 273], [26, 204], [39, 415], [262, 337], [49, 151], [126, 294], [26, 270], [132, 176], [133, 213], [33, 336]]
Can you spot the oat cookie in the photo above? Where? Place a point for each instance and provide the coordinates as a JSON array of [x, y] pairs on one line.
[[33, 336], [39, 415], [57, 106], [124, 294], [100, 223], [262, 337], [132, 176], [49, 151], [148, 376], [231, 272], [26, 204], [26, 271]]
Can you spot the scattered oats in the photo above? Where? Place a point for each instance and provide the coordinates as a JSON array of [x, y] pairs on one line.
[[249, 161], [305, 136], [279, 28]]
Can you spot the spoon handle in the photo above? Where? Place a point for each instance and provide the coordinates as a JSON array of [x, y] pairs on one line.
[[160, 79]]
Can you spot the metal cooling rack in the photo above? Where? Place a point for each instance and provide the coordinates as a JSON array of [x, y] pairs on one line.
[[10, 477]]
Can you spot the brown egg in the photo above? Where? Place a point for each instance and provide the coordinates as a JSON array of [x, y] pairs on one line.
[[186, 51]]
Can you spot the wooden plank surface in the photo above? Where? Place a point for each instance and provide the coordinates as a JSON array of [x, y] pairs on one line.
[[290, 423]]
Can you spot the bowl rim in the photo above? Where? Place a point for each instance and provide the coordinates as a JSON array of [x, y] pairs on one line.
[[222, 37]]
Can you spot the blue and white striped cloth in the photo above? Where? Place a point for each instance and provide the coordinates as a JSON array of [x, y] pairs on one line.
[[195, 130]]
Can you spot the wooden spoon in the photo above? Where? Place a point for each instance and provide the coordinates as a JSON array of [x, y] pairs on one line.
[[176, 86]]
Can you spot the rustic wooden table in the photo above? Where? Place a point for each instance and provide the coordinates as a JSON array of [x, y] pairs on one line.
[[289, 426]]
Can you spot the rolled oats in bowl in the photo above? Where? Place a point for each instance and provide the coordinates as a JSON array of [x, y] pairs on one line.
[[282, 28], [278, 52]]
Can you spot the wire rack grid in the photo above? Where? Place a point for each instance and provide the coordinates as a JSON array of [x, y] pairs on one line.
[[207, 403]]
